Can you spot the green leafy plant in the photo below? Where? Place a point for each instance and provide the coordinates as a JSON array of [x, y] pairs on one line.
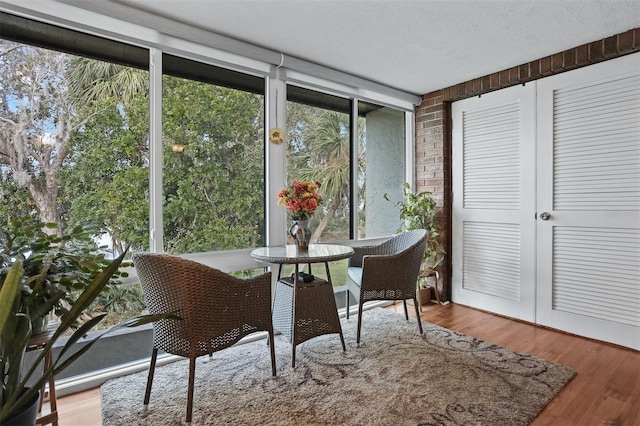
[[120, 299], [419, 210], [55, 268], [120, 302], [15, 332]]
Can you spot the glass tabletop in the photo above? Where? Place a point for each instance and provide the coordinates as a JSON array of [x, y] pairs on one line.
[[289, 253]]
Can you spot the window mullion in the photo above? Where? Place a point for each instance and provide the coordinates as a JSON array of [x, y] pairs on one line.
[[156, 233], [276, 161]]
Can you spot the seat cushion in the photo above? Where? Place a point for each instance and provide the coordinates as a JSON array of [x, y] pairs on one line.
[[354, 273]]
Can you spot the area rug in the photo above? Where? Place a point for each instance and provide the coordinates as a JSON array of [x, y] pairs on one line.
[[395, 377]]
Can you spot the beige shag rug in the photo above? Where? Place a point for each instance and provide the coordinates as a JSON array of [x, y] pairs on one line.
[[395, 377]]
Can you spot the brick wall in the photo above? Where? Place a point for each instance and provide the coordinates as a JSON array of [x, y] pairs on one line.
[[433, 137]]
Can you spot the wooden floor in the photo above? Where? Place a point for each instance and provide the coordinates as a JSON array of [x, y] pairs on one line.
[[606, 390]]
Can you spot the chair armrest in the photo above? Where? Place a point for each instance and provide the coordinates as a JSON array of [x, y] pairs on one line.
[[360, 252]]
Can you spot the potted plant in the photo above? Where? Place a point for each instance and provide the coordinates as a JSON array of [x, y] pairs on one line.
[[16, 303], [419, 210], [53, 265]]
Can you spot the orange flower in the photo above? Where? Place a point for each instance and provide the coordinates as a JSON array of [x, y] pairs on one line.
[[300, 198]]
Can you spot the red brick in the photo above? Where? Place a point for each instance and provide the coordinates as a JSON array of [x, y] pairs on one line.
[[434, 121], [477, 85], [557, 62], [569, 58], [504, 78], [610, 46], [582, 55], [625, 42], [534, 69], [486, 83], [433, 166], [448, 93], [523, 70], [494, 81], [425, 176], [468, 87], [595, 51], [434, 108]]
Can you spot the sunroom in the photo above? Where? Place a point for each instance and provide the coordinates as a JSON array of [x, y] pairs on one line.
[[173, 151]]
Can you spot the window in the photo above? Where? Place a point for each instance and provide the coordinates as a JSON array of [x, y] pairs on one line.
[[322, 147], [319, 136], [80, 126], [213, 150], [85, 99]]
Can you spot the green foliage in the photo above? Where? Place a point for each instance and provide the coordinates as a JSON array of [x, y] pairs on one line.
[[106, 179], [55, 268], [319, 150], [15, 332], [419, 210], [213, 190], [15, 201], [120, 299]]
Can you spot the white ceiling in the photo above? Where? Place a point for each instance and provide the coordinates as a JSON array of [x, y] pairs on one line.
[[415, 46]]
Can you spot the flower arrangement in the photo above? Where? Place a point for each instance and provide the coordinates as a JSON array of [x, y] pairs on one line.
[[300, 198]]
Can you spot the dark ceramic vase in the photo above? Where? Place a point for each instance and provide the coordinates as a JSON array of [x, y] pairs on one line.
[[27, 415]]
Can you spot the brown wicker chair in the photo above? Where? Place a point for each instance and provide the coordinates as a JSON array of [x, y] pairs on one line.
[[387, 271], [217, 310]]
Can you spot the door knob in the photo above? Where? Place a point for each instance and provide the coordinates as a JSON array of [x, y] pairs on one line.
[[545, 216]]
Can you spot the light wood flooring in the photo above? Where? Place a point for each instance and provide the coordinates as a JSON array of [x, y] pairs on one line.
[[606, 390]]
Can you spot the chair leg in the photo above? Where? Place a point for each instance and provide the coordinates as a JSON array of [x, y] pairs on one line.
[[273, 352], [152, 368], [406, 312], [192, 373], [346, 298], [359, 322], [415, 303]]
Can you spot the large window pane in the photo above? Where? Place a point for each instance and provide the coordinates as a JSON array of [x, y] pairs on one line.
[[75, 143], [213, 176], [74, 151], [319, 135]]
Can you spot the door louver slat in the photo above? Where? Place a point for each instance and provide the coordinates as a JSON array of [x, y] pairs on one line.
[[596, 282], [492, 259], [491, 153], [597, 136]]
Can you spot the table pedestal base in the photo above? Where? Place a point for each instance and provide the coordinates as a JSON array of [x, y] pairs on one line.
[[312, 313]]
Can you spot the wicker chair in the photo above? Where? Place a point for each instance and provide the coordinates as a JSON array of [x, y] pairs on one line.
[[217, 310], [387, 271]]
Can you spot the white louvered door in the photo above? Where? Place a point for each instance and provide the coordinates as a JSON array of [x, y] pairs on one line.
[[546, 201], [493, 202], [588, 251]]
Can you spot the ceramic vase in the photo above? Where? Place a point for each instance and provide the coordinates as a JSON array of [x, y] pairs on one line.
[[301, 234]]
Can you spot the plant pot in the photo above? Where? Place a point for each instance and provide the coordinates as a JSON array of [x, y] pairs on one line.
[[39, 325], [26, 415], [424, 296]]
